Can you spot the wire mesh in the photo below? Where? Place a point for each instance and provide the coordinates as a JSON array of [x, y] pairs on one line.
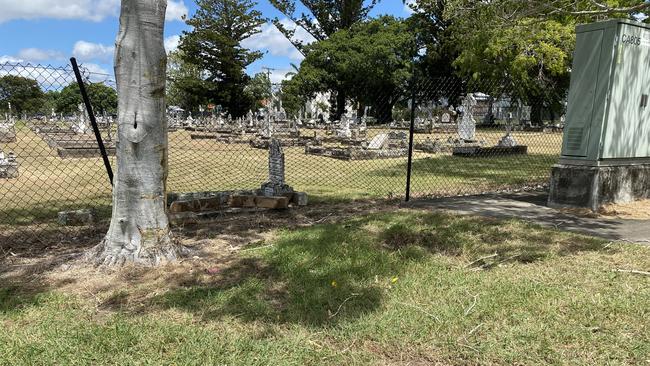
[[470, 137]]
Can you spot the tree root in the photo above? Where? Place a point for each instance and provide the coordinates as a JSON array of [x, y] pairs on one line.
[[167, 250]]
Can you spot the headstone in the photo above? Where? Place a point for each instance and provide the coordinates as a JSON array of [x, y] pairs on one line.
[[7, 131], [467, 125], [430, 146], [508, 140], [276, 185], [249, 118], [344, 130], [282, 114], [189, 122], [445, 117], [267, 128], [363, 125], [76, 218], [8, 165], [80, 126], [378, 142], [524, 113]]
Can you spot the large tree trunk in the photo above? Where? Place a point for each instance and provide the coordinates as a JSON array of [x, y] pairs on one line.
[[139, 230]]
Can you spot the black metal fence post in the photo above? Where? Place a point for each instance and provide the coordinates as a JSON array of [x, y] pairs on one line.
[[409, 165], [93, 121]]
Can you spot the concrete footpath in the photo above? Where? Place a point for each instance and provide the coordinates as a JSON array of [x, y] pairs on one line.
[[532, 207]]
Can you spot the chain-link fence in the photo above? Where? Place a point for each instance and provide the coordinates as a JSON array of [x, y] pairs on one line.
[[468, 138]]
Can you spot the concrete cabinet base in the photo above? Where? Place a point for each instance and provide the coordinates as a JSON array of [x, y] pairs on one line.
[[594, 186]]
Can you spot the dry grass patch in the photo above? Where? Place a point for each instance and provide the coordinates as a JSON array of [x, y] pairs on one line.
[[637, 210]]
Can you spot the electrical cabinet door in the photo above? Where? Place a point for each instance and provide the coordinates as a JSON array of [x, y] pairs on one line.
[[582, 92], [628, 124]]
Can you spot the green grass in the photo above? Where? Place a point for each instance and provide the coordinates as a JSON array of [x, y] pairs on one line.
[[387, 288]]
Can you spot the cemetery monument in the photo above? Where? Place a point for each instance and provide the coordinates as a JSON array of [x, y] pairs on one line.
[[8, 166], [467, 124]]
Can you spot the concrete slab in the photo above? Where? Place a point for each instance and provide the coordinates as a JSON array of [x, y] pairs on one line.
[[532, 207]]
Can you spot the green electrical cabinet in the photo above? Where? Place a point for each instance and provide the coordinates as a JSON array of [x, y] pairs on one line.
[[608, 112]]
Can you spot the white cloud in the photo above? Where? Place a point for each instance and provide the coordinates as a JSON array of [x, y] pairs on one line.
[[10, 59], [93, 51], [408, 6], [47, 79], [175, 10], [97, 73], [94, 68], [280, 74], [272, 40], [171, 43], [38, 55], [93, 10]]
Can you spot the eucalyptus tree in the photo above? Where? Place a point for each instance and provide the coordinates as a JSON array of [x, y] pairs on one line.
[[139, 230]]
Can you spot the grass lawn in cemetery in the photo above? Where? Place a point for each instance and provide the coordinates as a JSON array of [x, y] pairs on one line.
[[388, 286], [48, 184]]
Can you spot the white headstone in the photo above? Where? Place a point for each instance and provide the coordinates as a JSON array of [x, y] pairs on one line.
[[446, 117], [508, 140], [467, 125], [378, 142], [344, 130]]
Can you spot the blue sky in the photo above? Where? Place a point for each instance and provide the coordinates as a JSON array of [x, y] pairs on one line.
[[50, 31]]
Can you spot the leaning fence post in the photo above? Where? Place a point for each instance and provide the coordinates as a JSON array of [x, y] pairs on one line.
[[409, 165], [93, 121]]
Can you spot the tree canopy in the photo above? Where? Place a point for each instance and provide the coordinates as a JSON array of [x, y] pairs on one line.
[[324, 17], [372, 61], [102, 97], [23, 93], [186, 88], [519, 46], [214, 47], [259, 89]]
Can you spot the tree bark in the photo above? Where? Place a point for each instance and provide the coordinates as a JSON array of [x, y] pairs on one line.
[[139, 230]]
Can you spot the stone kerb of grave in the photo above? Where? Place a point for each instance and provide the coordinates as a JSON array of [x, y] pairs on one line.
[[430, 146], [507, 145], [273, 194]]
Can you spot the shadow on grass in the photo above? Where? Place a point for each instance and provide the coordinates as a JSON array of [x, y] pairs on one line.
[[321, 275]]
